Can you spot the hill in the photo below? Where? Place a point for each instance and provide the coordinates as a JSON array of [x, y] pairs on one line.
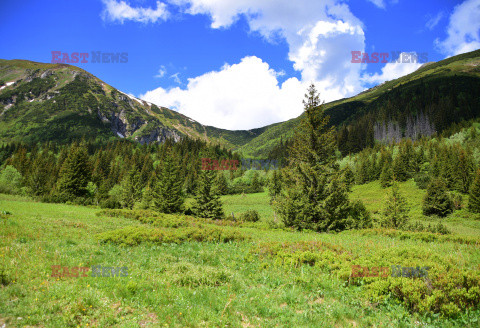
[[60, 102], [446, 92]]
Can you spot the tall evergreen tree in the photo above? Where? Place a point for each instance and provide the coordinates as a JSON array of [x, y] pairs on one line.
[[207, 203], [313, 196], [221, 183], [131, 188], [275, 184], [396, 209], [386, 177], [256, 186], [437, 201], [74, 174], [168, 195], [474, 197]]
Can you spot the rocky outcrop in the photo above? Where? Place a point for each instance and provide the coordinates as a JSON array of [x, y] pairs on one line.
[[158, 135]]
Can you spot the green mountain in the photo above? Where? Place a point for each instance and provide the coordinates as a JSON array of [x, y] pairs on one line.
[[40, 102], [445, 92], [59, 102]]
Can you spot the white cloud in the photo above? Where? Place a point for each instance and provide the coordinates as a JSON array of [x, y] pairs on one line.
[[121, 11], [393, 70], [463, 29], [433, 21], [378, 3], [240, 96], [176, 78], [161, 72], [320, 35]]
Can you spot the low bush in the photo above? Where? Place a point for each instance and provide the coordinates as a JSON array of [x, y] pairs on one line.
[[419, 227], [131, 236], [448, 288], [250, 216]]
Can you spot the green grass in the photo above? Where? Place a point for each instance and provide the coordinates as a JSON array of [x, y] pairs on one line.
[[208, 284]]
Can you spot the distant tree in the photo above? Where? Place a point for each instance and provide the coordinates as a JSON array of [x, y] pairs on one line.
[[275, 184], [474, 197], [131, 188], [256, 186], [386, 177], [10, 180], [348, 177], [221, 183], [396, 209], [437, 201], [465, 169], [207, 202], [168, 196], [74, 174]]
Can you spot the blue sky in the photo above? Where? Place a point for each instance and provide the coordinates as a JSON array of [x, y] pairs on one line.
[[240, 64]]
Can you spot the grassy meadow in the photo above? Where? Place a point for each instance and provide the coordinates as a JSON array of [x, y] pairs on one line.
[[253, 275]]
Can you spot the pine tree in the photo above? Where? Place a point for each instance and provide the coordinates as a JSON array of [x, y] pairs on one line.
[[399, 168], [168, 196], [348, 177], [39, 178], [474, 196], [207, 202], [274, 185], [313, 197], [396, 209], [147, 195], [131, 188], [386, 176], [74, 174], [256, 186], [221, 183], [437, 201]]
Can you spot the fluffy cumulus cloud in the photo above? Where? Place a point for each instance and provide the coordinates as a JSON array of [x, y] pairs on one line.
[[236, 97], [393, 70], [320, 35], [121, 11], [463, 31]]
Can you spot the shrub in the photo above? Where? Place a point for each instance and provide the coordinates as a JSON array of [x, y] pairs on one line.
[[10, 180], [422, 180], [131, 236], [419, 227], [250, 216], [437, 201]]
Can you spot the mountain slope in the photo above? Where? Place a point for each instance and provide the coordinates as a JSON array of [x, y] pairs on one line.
[[40, 102], [422, 90]]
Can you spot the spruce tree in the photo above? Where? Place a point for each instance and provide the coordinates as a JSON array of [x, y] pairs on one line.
[[256, 186], [474, 196], [313, 197], [399, 168], [168, 195], [437, 201], [131, 188], [274, 185], [386, 176], [74, 174], [207, 202], [221, 183], [396, 209]]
